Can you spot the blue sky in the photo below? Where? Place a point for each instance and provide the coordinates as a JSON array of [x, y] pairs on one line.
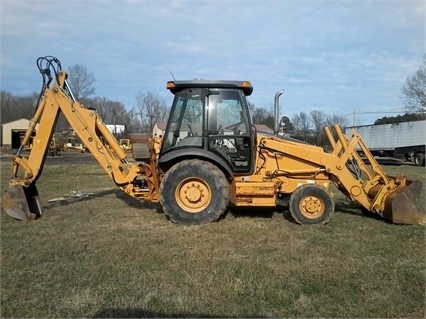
[[334, 56]]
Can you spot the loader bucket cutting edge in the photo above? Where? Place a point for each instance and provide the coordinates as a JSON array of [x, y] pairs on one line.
[[401, 206], [15, 204]]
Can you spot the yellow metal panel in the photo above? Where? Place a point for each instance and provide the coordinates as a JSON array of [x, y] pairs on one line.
[[255, 193], [254, 188]]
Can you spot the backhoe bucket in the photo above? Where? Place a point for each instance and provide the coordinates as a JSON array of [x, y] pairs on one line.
[[401, 205], [20, 203]]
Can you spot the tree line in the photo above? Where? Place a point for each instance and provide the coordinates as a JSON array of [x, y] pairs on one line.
[[140, 119], [150, 108]]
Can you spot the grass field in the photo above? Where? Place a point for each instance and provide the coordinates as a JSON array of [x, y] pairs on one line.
[[111, 256]]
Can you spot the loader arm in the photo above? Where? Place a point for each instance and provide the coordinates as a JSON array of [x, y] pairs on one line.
[[362, 180], [137, 180]]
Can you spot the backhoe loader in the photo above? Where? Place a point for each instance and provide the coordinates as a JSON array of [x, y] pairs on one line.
[[211, 158]]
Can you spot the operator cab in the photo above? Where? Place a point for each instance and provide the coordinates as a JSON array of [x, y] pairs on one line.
[[210, 119]]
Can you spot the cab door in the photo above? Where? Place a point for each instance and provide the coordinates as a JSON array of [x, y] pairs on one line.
[[229, 128]]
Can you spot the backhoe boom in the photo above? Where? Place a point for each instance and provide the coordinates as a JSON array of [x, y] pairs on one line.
[[90, 128]]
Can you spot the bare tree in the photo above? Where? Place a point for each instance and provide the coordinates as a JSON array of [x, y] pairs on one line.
[[135, 125], [81, 81], [17, 107], [318, 121], [261, 115], [150, 109], [111, 112], [337, 119], [301, 126], [414, 90], [81, 84]]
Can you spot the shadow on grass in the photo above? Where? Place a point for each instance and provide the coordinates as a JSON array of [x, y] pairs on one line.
[[70, 200], [350, 208], [137, 203], [129, 200], [141, 313], [259, 212], [341, 207]]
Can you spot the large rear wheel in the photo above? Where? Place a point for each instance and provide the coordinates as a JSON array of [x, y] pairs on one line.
[[194, 192], [311, 204]]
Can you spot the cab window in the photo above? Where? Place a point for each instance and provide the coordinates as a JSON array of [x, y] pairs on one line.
[[186, 120]]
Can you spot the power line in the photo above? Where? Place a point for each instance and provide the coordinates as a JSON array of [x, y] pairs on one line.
[[373, 112]]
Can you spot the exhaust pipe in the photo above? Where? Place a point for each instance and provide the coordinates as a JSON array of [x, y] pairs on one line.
[[277, 110]]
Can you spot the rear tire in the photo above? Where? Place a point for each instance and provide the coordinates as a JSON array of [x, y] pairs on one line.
[[419, 159], [311, 204], [194, 192]]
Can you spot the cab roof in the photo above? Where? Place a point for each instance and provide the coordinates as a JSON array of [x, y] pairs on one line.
[[245, 86]]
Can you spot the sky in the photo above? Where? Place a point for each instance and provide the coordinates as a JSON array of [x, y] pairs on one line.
[[348, 58]]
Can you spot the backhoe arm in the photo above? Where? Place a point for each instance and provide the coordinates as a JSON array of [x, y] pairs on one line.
[[138, 180], [87, 125]]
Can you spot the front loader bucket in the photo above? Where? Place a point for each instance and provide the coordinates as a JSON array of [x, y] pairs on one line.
[[401, 205], [20, 203]]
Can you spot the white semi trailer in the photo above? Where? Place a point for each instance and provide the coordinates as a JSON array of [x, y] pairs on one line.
[[404, 140]]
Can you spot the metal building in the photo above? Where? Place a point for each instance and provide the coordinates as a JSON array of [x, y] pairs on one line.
[[13, 132]]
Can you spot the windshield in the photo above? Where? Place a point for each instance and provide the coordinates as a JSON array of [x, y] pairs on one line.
[[186, 119]]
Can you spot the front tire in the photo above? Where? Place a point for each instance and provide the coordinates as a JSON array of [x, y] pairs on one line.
[[194, 192], [311, 204]]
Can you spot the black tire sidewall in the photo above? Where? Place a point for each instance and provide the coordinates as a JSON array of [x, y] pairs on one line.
[[419, 159], [316, 191], [205, 171]]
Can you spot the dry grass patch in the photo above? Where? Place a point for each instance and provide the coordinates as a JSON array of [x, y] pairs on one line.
[[111, 256]]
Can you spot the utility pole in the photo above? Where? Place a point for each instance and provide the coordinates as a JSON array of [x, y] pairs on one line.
[[353, 120]]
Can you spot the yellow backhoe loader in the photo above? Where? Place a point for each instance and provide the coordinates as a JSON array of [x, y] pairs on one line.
[[211, 157]]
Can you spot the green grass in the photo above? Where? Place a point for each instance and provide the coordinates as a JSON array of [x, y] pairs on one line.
[[111, 256]]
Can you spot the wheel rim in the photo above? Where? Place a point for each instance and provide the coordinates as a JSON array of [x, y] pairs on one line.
[[193, 195], [312, 207]]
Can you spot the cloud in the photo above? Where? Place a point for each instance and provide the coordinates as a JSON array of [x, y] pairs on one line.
[[336, 56]]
